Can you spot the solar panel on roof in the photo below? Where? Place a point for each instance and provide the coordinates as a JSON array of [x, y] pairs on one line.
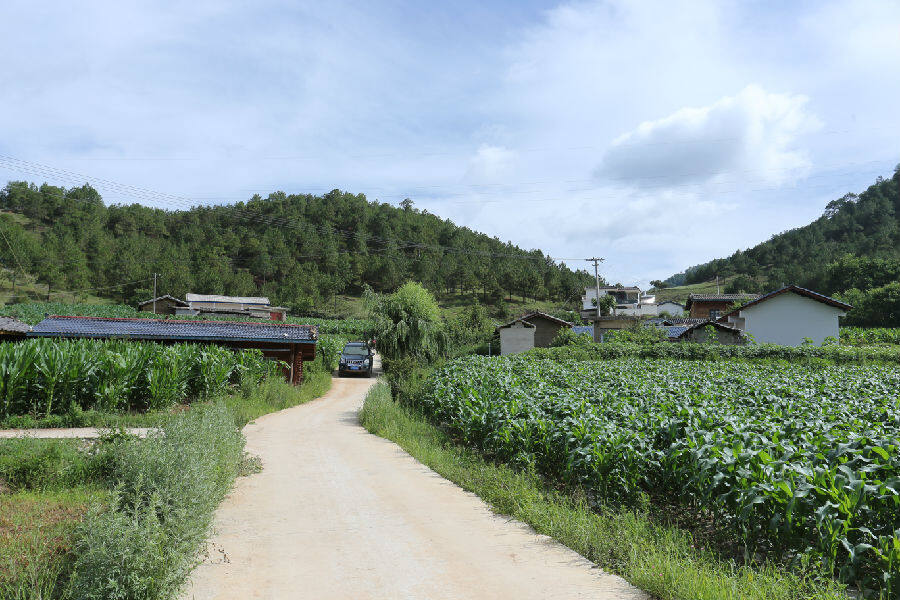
[[172, 329]]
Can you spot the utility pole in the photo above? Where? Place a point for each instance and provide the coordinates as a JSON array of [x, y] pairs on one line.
[[155, 275], [596, 262], [717, 285]]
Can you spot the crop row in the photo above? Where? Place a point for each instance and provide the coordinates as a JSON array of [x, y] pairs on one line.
[[832, 353], [42, 376], [802, 462], [860, 336]]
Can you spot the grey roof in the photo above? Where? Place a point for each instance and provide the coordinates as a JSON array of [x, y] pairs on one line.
[[718, 298], [164, 297], [675, 331], [670, 302], [173, 329], [685, 320], [536, 315], [795, 289], [10, 325], [235, 299]]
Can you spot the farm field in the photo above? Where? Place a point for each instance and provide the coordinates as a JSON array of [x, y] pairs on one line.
[[800, 464]]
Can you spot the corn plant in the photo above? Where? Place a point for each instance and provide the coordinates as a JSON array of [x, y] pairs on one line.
[[800, 460]]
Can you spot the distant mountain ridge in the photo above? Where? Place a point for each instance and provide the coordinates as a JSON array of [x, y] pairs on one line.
[[864, 226], [297, 249]]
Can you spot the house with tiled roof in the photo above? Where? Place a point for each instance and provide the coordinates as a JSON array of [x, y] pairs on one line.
[[788, 316], [711, 306], [533, 330]]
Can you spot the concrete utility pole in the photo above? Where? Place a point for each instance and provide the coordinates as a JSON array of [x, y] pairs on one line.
[[155, 275], [596, 262]]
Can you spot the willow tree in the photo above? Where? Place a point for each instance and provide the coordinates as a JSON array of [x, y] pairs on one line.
[[408, 323]]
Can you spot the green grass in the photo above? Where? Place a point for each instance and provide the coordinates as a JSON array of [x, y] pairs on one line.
[[36, 536], [273, 395], [680, 293], [125, 518], [662, 560]]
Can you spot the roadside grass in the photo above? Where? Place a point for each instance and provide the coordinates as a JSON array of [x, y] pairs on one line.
[[123, 517], [661, 560], [272, 395], [36, 537]]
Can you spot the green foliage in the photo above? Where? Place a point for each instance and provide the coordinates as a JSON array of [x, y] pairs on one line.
[[662, 560], [43, 377], [859, 336], [875, 307], [854, 245], [408, 324], [145, 544], [567, 337], [829, 353], [328, 352], [798, 461], [299, 250], [638, 334]]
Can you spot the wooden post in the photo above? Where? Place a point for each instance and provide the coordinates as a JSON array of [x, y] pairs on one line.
[[297, 368]]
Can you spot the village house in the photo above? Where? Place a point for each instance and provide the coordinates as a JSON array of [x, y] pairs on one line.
[[630, 301], [162, 305], [534, 330], [670, 307], [257, 307], [711, 306], [789, 317], [12, 329]]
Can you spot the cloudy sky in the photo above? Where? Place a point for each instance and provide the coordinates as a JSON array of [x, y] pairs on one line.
[[656, 134]]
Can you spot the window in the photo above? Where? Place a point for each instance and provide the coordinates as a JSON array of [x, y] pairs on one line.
[[713, 314]]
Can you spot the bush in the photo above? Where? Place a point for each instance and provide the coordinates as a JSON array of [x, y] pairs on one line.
[[167, 488]]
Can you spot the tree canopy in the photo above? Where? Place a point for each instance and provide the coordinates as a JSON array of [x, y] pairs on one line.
[[296, 249]]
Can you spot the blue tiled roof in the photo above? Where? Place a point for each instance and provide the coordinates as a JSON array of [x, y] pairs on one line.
[[675, 331], [588, 329], [173, 329]]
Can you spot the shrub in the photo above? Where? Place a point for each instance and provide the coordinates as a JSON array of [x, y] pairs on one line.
[[167, 488]]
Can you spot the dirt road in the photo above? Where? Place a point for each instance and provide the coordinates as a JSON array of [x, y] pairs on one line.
[[338, 513]]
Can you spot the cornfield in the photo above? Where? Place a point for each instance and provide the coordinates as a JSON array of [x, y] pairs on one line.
[[42, 377], [801, 462]]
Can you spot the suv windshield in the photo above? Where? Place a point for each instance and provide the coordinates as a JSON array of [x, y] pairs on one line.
[[356, 350]]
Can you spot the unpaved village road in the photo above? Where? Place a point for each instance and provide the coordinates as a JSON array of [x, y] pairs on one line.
[[338, 513]]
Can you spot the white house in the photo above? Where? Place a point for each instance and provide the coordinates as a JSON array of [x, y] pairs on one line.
[[671, 307], [788, 316], [629, 301], [516, 337]]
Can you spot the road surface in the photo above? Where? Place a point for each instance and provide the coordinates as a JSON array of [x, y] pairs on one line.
[[338, 513], [69, 432]]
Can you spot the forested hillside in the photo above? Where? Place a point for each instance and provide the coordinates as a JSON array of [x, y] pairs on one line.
[[296, 249], [852, 250]]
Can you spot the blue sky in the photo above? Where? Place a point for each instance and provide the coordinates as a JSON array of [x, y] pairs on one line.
[[656, 134]]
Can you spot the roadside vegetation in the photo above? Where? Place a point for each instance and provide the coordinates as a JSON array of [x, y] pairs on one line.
[[123, 517], [665, 560], [693, 470]]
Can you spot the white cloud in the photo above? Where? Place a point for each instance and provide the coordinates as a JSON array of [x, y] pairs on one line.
[[754, 134], [491, 164]]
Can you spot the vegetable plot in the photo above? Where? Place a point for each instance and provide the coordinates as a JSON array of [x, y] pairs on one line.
[[42, 377], [802, 462]]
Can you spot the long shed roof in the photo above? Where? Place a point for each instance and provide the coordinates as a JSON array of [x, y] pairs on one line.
[[173, 330], [14, 326], [233, 299]]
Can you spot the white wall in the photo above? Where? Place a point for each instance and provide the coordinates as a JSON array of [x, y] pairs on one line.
[[673, 308], [788, 318], [516, 338]]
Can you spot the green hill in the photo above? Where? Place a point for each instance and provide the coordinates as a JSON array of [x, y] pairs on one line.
[[302, 251], [852, 250]]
